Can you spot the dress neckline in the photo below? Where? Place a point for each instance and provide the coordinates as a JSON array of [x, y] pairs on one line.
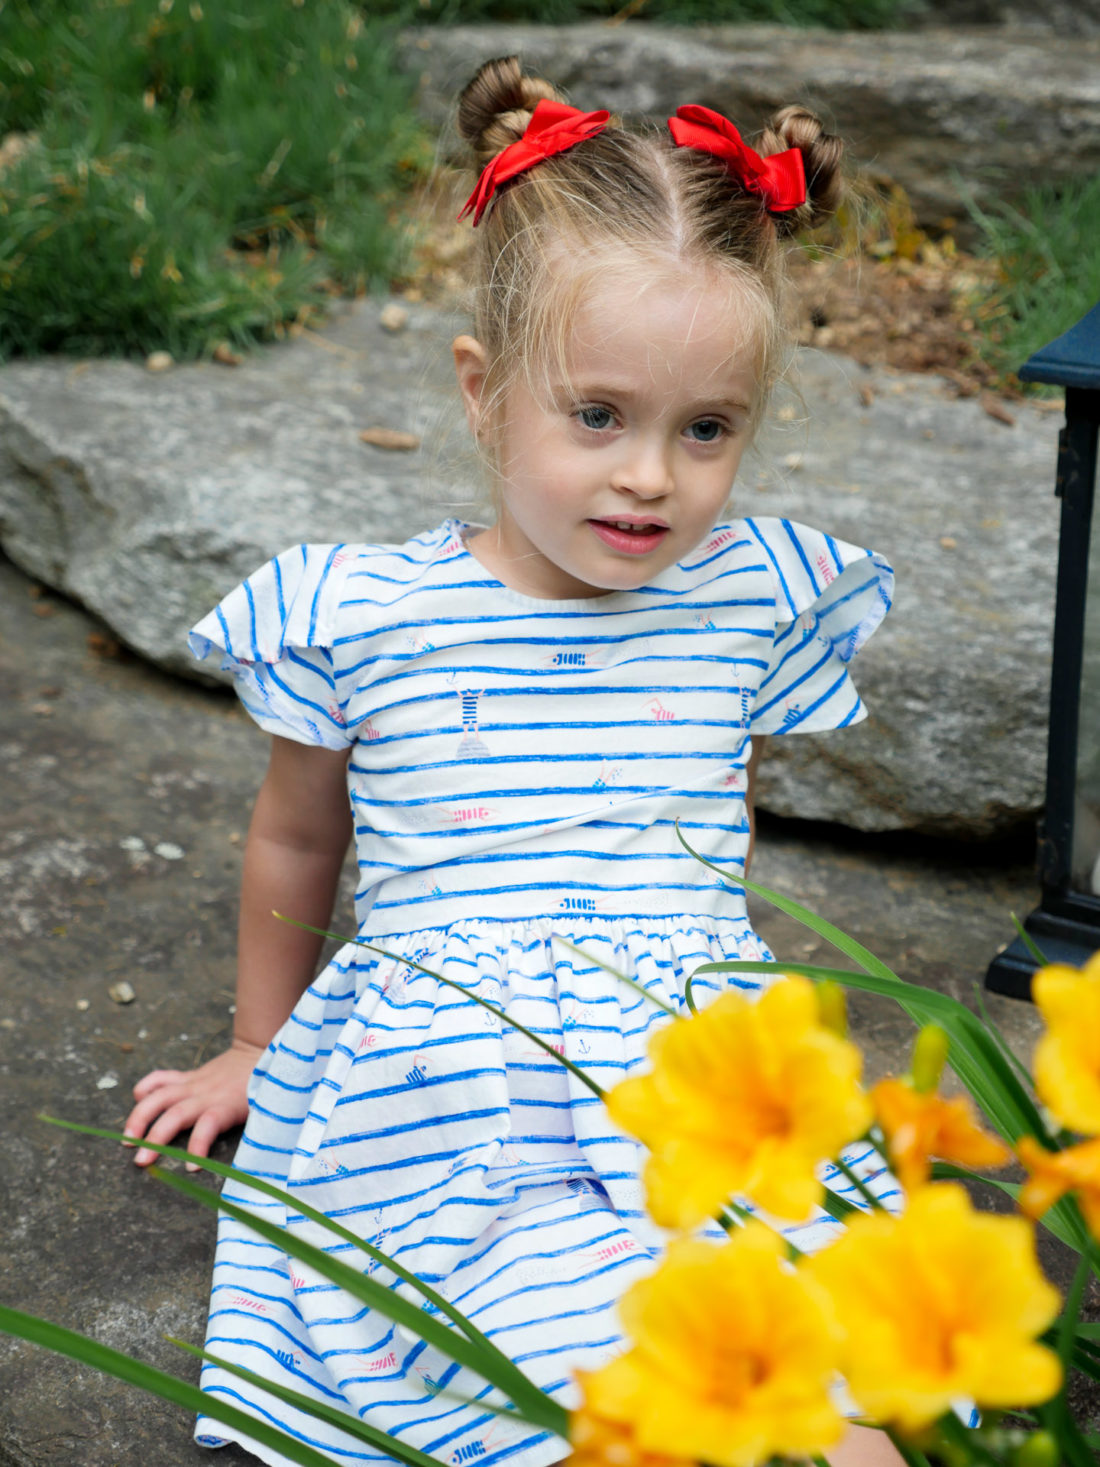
[[549, 604]]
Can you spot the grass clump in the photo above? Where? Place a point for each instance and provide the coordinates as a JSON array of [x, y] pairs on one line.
[[832, 14], [180, 173], [1047, 248]]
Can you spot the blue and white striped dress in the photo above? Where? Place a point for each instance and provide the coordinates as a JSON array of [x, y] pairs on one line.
[[517, 766]]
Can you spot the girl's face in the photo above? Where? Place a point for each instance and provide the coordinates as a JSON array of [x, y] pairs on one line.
[[619, 470]]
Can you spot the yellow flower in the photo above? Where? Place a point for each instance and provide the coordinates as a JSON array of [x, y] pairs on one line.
[[746, 1097], [733, 1355], [597, 1442], [1053, 1173], [919, 1126], [1067, 1058], [940, 1303]]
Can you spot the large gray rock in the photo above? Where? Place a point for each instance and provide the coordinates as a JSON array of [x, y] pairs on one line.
[[1053, 17], [944, 113], [147, 497], [957, 680]]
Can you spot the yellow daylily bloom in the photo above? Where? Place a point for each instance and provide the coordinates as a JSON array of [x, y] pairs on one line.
[[597, 1442], [1067, 1057], [733, 1355], [745, 1097], [939, 1304], [1054, 1173], [920, 1126]]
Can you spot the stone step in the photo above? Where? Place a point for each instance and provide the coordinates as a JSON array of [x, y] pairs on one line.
[[948, 114], [148, 497]]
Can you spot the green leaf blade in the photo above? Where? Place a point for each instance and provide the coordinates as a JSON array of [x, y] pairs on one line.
[[530, 1402], [157, 1382]]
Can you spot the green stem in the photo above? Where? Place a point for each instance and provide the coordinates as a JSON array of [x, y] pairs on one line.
[[969, 1442], [839, 1206], [1072, 1312], [857, 1182], [1028, 941], [731, 1211], [620, 977], [912, 1456], [585, 1079], [1065, 1428]]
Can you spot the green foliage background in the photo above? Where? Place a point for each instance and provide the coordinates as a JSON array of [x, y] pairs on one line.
[[1047, 246], [834, 14], [197, 169], [181, 173]]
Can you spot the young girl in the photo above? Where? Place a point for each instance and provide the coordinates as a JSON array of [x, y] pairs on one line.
[[509, 720]]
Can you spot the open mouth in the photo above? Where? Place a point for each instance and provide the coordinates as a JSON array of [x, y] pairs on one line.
[[634, 537]]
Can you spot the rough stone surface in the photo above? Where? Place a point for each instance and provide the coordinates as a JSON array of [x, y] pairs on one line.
[[995, 110], [130, 760], [957, 679], [147, 498], [1054, 17]]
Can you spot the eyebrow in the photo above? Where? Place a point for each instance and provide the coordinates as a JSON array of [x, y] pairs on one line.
[[588, 392]]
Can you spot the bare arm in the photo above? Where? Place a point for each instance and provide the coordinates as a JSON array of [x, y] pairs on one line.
[[863, 1446], [299, 834]]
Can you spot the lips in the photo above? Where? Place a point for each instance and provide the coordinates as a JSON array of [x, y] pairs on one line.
[[632, 537]]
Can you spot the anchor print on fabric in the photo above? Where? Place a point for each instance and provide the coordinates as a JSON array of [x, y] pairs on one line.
[[471, 740]]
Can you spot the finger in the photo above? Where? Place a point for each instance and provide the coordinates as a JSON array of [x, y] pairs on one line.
[[137, 1122], [166, 1128], [203, 1135], [154, 1080]]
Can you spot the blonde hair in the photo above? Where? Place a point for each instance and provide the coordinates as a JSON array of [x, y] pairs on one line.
[[630, 199]]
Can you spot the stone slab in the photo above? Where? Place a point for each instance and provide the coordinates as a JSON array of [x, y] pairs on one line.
[[947, 113], [148, 497]]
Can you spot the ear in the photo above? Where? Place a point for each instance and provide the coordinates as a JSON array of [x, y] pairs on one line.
[[471, 369]]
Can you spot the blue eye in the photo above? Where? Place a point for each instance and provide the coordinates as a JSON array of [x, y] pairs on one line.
[[596, 418], [706, 430]]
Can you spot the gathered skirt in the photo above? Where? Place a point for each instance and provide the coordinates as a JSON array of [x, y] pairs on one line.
[[421, 1122]]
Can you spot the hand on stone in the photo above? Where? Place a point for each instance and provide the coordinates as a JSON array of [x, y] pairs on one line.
[[209, 1100]]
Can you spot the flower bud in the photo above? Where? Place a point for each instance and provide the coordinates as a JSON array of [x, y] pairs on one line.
[[1039, 1450], [929, 1058], [832, 1007]]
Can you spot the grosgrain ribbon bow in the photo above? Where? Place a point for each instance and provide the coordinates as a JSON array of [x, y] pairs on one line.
[[779, 179], [553, 128]]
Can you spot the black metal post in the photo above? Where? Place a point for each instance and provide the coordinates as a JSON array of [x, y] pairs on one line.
[[1066, 924]]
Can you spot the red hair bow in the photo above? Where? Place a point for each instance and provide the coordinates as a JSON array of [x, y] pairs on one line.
[[553, 128], [779, 179]]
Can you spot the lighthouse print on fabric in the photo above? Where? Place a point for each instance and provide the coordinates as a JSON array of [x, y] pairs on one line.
[[471, 744]]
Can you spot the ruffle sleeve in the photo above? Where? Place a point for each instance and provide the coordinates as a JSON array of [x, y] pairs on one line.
[[829, 598], [275, 633]]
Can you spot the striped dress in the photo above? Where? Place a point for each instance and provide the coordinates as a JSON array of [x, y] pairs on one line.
[[516, 768]]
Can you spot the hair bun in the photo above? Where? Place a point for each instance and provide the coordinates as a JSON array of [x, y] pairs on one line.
[[795, 127], [495, 107]]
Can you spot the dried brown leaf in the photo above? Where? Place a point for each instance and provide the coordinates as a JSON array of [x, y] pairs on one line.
[[390, 439]]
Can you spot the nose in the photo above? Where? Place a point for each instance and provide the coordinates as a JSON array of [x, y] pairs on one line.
[[644, 469]]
